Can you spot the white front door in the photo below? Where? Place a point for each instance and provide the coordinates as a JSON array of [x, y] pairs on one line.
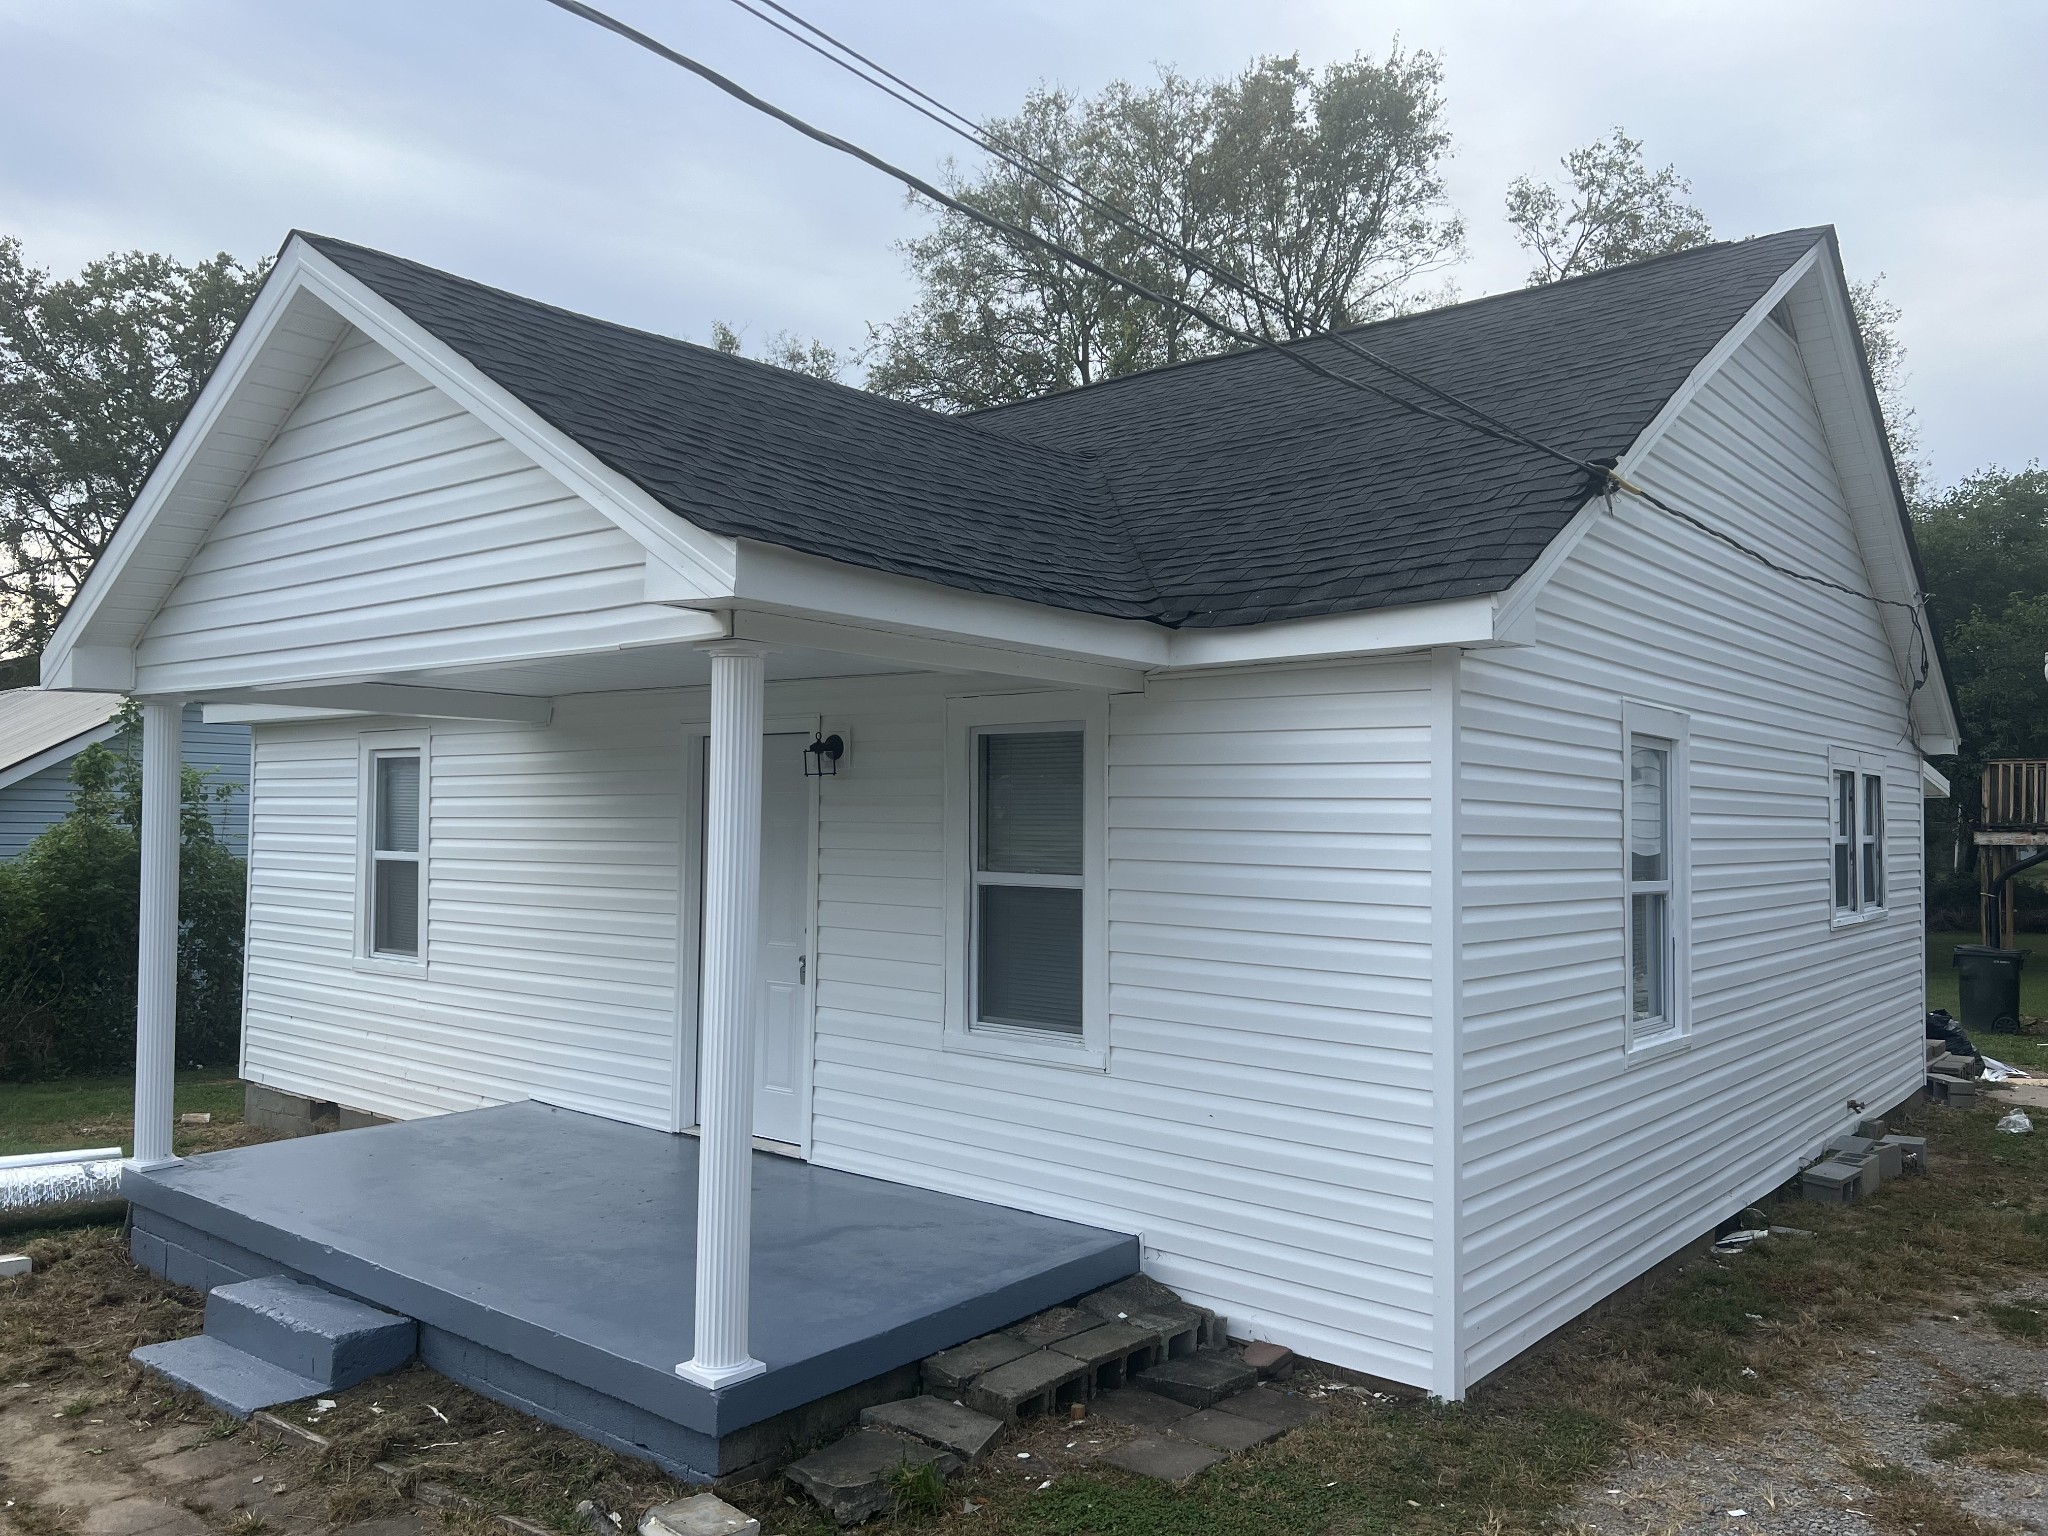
[[782, 1007]]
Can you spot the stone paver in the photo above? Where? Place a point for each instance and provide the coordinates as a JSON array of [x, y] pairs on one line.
[[141, 1516], [1200, 1381], [1283, 1410], [1139, 1408], [951, 1370], [937, 1421], [1171, 1461], [853, 1479], [702, 1514], [1226, 1431]]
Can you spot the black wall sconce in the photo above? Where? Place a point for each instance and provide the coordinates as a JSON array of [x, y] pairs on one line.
[[821, 757]]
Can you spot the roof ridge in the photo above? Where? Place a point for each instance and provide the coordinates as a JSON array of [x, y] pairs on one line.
[[1817, 231], [776, 371]]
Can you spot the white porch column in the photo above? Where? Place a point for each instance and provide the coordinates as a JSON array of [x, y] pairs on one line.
[[725, 1071], [156, 956]]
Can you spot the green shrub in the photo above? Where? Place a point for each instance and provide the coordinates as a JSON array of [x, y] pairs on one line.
[[68, 928]]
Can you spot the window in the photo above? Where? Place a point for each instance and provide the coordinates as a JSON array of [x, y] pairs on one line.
[[1027, 878], [1027, 940], [1856, 834], [394, 855], [1655, 872]]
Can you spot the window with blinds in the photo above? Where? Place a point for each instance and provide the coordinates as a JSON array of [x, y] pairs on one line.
[[395, 854], [1026, 921]]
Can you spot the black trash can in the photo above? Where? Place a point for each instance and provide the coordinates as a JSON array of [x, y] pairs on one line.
[[1989, 981]]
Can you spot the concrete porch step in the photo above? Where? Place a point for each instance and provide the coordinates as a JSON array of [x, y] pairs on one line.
[[309, 1332], [232, 1380]]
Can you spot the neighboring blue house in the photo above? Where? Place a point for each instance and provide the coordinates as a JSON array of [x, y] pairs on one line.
[[40, 733]]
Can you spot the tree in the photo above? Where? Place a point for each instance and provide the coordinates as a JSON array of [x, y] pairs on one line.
[[1615, 210], [1322, 189], [1984, 549], [96, 372], [783, 350], [1877, 321]]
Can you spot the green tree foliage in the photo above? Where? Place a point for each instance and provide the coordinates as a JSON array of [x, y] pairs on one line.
[[1877, 323], [1984, 547], [68, 908], [1322, 189], [784, 349], [1614, 209], [96, 372]]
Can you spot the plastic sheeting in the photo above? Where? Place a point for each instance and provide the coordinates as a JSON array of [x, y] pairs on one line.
[[59, 1178]]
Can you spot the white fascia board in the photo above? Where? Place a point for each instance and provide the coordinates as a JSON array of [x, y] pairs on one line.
[[771, 579], [694, 554], [73, 633], [401, 699], [49, 757], [271, 714], [933, 655], [1520, 599], [1464, 621], [874, 612], [1933, 782]]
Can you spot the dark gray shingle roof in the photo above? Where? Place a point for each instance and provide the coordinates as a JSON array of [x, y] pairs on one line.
[[1223, 492]]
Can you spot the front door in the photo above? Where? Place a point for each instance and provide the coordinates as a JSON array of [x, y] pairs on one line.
[[782, 1006]]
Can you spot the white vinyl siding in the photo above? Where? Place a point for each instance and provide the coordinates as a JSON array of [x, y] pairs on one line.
[[551, 921], [1581, 1166], [1263, 1120], [383, 528]]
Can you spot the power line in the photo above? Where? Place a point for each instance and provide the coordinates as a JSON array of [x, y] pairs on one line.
[[1486, 424]]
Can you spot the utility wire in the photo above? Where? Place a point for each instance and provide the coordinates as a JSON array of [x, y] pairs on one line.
[[1480, 420]]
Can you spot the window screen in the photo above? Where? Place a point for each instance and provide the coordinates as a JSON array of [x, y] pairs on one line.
[[395, 854], [1029, 829]]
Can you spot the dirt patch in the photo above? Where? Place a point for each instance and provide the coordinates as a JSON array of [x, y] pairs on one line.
[[1933, 1428]]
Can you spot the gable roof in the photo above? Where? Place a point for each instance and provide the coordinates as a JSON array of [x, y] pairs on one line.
[[1230, 491], [35, 723]]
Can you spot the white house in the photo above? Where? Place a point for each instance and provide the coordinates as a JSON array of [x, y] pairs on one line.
[[1409, 887]]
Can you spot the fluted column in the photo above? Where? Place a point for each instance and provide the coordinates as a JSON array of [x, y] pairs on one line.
[[156, 950], [725, 1057]]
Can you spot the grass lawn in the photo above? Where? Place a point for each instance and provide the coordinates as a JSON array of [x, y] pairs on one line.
[[82, 1112]]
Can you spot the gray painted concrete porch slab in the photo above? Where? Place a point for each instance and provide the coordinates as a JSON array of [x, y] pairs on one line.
[[567, 1242]]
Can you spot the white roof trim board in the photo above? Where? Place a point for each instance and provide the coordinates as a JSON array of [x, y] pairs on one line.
[[310, 303]]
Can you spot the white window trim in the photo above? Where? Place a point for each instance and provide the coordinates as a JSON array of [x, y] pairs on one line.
[[370, 746], [964, 716], [1674, 1032], [1865, 765]]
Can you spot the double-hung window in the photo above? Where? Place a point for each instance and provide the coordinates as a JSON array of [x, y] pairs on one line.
[[1856, 835], [1026, 931], [1028, 806], [392, 918], [1655, 865]]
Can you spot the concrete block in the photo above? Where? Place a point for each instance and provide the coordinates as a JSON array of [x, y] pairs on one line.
[[1946, 1088], [1226, 1431], [1832, 1183], [1170, 1461], [949, 1371], [1139, 1408], [1955, 1066], [1052, 1325], [1130, 1295], [1200, 1381], [703, 1514], [287, 1114], [347, 1119], [1850, 1148], [1870, 1130], [937, 1421], [1912, 1152], [309, 1331], [232, 1381], [1040, 1382], [854, 1479], [12, 1264], [1890, 1159], [1112, 1352]]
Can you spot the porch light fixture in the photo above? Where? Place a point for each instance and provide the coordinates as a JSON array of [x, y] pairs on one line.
[[821, 757]]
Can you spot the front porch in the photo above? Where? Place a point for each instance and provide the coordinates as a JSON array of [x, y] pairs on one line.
[[548, 1258]]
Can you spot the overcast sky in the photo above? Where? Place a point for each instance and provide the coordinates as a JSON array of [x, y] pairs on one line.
[[504, 140]]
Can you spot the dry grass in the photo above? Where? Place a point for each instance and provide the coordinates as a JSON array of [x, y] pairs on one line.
[[1691, 1352]]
